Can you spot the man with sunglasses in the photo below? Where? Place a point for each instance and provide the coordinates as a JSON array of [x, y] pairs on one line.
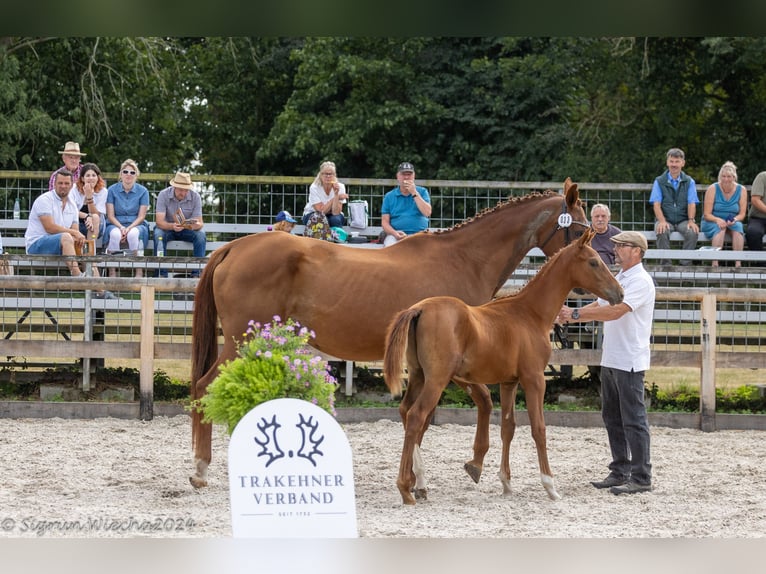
[[624, 360]]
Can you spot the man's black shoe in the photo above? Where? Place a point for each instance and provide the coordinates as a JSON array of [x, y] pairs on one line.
[[631, 488], [610, 481]]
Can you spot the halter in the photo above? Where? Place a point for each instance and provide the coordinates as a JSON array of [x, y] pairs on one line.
[[565, 221]]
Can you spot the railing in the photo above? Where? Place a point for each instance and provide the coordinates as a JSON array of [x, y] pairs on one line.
[[257, 199]]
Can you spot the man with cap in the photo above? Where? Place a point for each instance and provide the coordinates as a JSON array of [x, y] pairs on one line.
[[406, 208], [71, 155], [284, 222], [624, 360], [178, 216]]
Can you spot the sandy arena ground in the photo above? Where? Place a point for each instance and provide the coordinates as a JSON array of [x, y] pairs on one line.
[[129, 478]]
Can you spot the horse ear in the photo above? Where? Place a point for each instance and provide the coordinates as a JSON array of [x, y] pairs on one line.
[[570, 192], [586, 237]]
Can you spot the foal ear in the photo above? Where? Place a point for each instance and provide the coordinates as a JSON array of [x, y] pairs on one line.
[[586, 237]]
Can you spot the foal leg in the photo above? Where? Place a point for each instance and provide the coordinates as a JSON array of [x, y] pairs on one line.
[[417, 422], [507, 430], [534, 392], [481, 397], [414, 386]]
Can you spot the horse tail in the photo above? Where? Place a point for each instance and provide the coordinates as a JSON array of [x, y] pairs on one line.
[[396, 345], [205, 323]]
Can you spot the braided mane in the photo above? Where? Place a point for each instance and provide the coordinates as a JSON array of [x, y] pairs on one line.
[[533, 196]]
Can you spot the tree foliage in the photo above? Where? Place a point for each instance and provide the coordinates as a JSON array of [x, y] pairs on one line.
[[490, 108]]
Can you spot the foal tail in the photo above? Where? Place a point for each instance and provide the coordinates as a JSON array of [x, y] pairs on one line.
[[205, 323], [396, 346]]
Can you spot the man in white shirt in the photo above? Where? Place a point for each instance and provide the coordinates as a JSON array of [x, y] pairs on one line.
[[53, 227], [624, 360]]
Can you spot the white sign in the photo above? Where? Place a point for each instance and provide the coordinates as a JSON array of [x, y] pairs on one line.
[[291, 474]]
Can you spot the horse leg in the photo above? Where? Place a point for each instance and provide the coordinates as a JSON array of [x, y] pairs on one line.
[[417, 422], [202, 433], [481, 397], [534, 393], [414, 386], [202, 436], [507, 430]]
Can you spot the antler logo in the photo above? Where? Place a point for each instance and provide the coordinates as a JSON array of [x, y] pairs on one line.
[[269, 444], [309, 440]]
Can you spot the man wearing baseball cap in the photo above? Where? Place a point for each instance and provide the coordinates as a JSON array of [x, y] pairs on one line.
[[624, 360], [71, 155], [406, 208]]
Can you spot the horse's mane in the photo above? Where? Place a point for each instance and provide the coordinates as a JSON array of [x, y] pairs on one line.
[[504, 204]]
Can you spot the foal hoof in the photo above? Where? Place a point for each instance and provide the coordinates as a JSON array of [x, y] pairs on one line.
[[197, 482], [473, 471], [420, 493]]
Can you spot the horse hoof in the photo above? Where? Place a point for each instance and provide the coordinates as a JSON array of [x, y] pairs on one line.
[[420, 493], [473, 471], [197, 482]]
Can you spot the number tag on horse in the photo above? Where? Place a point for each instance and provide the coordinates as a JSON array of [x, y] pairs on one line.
[[565, 220]]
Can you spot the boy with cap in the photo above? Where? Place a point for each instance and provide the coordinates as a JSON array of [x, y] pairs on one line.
[[624, 360], [285, 222], [406, 208]]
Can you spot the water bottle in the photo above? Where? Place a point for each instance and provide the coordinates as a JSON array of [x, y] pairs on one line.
[[16, 209], [160, 246]]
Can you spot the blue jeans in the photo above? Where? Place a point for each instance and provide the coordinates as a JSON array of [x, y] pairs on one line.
[[627, 425], [197, 238]]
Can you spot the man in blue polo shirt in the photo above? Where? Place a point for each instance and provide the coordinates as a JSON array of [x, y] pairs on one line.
[[406, 208]]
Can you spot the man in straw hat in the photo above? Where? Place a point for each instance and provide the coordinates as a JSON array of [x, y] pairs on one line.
[[624, 360], [71, 155], [179, 216]]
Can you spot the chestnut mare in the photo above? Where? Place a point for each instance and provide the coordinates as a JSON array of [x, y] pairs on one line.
[[348, 296], [505, 341]]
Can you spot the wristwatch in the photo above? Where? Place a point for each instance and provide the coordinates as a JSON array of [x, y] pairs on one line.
[[576, 314]]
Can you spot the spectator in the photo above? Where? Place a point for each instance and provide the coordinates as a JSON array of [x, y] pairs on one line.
[[284, 222], [89, 196], [724, 210], [179, 217], [406, 208], [756, 224], [71, 156], [674, 201], [624, 360], [327, 195], [53, 227], [126, 207], [600, 215]]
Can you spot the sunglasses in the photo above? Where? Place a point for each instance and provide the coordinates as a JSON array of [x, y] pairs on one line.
[[128, 172]]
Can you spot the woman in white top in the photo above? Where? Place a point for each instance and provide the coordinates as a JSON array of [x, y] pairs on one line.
[[327, 195], [89, 195]]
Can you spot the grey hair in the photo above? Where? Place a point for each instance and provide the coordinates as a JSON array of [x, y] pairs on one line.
[[730, 167], [322, 166], [676, 152], [602, 206]]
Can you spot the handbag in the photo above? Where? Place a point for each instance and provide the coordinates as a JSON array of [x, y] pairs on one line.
[[357, 213]]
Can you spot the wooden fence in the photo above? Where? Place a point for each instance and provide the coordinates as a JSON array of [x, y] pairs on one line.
[[705, 312]]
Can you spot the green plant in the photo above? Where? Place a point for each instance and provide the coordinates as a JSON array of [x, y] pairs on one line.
[[169, 389], [274, 362]]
